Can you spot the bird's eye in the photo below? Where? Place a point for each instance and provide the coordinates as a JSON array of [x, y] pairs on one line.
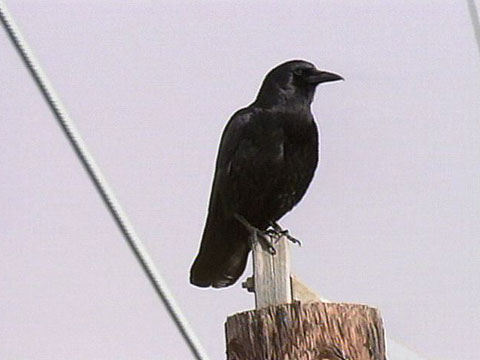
[[298, 71]]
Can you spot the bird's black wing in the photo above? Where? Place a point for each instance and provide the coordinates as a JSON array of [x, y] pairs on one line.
[[251, 151], [249, 146], [233, 148]]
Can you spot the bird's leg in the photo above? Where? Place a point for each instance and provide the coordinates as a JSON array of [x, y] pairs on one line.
[[257, 235], [278, 232]]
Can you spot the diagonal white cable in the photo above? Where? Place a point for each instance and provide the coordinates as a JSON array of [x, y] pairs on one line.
[[100, 183], [472, 8]]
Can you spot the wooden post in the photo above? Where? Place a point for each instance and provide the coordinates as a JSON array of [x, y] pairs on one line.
[[271, 273], [313, 331], [307, 329]]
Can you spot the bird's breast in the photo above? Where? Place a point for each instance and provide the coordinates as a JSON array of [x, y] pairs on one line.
[[295, 172]]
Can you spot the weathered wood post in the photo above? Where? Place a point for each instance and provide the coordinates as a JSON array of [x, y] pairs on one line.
[[292, 323]]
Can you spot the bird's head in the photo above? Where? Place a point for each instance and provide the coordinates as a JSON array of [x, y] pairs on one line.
[[293, 81]]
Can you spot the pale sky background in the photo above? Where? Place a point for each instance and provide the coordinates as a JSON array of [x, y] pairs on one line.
[[392, 218]]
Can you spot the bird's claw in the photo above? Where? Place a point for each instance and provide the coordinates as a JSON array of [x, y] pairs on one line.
[[277, 232], [277, 235], [291, 238], [263, 237], [266, 241], [269, 246], [274, 234]]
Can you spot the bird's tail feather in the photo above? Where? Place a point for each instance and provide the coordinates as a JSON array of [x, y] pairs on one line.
[[223, 253]]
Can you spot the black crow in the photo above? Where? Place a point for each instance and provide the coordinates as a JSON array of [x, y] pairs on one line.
[[267, 157]]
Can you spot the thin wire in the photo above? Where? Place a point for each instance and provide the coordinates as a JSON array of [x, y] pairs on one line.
[[100, 183], [472, 8]]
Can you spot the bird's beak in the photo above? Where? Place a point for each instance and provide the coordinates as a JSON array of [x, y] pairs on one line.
[[318, 76]]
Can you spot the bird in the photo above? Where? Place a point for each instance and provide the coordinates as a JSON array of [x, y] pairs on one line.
[[266, 160]]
